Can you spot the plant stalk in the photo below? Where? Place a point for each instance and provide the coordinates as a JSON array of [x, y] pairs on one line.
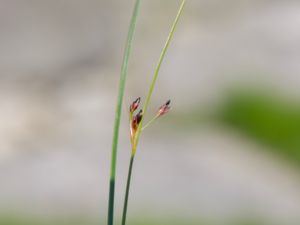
[[127, 190], [122, 82], [161, 58], [150, 122]]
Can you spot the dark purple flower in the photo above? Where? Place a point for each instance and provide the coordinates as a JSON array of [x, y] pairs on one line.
[[136, 121], [135, 105], [164, 108]]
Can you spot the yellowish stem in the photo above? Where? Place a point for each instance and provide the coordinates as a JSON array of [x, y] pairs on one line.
[[150, 122]]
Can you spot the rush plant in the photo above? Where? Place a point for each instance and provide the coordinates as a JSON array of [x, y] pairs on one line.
[[135, 119]]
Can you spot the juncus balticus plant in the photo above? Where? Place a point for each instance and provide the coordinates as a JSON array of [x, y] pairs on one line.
[[136, 119]]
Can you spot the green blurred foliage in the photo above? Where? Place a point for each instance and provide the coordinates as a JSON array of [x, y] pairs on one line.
[[31, 220], [268, 119], [23, 220]]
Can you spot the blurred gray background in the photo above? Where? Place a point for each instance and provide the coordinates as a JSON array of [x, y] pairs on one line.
[[59, 71]]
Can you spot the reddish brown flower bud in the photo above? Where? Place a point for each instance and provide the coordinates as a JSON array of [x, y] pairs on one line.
[[135, 105], [164, 108], [136, 121], [139, 116]]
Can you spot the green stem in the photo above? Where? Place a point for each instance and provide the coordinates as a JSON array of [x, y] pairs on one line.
[[151, 121], [161, 58], [123, 77], [127, 190]]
